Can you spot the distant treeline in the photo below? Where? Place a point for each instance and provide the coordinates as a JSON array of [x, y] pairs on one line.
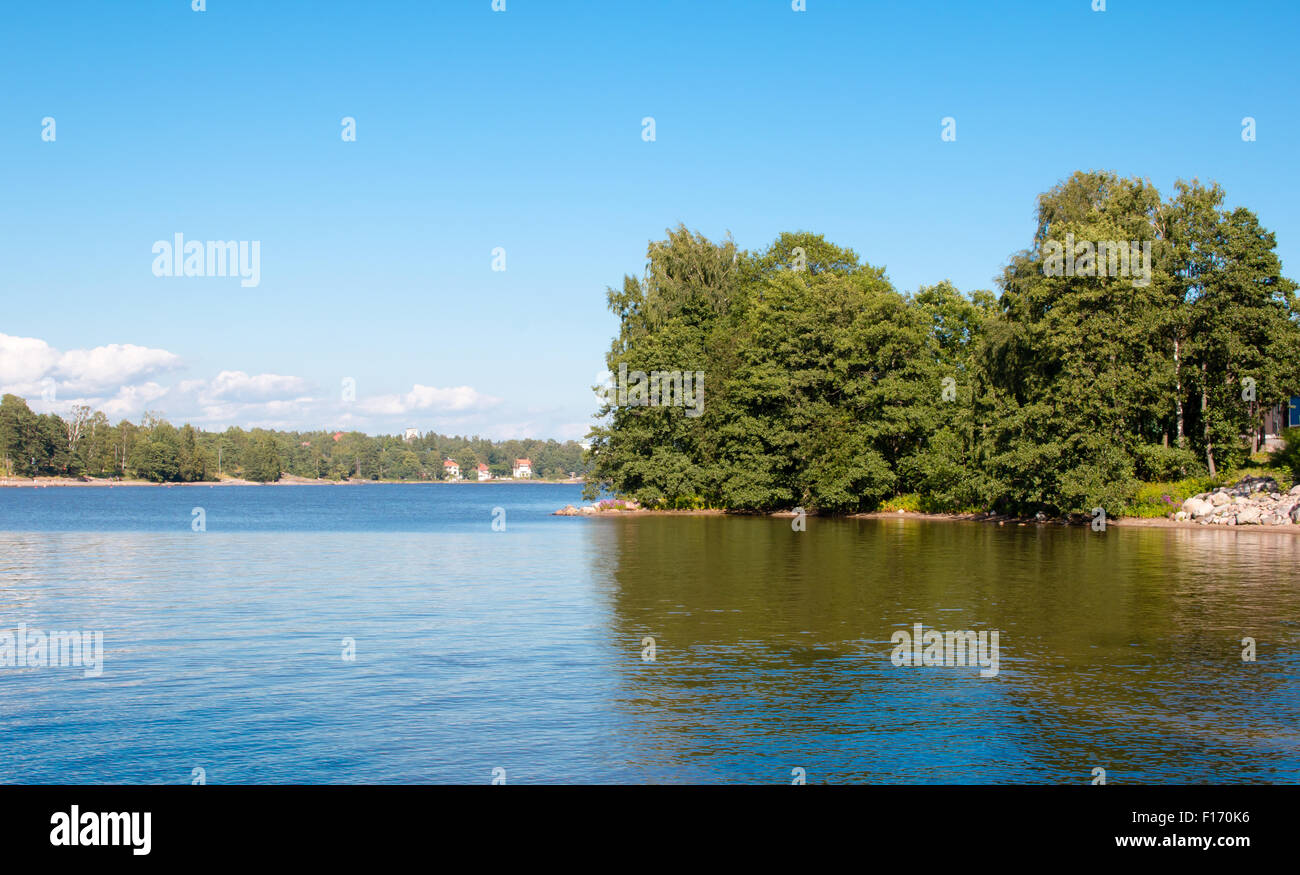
[[87, 444], [1135, 339]]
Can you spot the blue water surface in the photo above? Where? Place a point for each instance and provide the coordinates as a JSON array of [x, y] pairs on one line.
[[644, 649]]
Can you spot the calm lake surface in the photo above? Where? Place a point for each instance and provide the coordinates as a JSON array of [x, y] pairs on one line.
[[522, 649]]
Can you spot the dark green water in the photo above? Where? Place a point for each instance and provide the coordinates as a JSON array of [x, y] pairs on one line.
[[1120, 650]]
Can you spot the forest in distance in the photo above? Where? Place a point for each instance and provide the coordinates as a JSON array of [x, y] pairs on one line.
[[85, 444], [1137, 340]]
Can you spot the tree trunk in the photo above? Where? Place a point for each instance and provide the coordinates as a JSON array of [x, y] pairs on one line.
[[1205, 422], [1178, 392]]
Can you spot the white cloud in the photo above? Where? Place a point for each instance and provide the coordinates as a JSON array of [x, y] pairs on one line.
[[129, 401], [457, 399], [123, 380], [30, 366], [239, 386], [572, 431], [25, 361], [106, 367]]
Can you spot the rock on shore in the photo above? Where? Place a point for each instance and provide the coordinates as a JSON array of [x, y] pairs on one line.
[[608, 505], [1254, 501]]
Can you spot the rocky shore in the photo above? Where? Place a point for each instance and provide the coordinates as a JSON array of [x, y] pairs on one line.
[[627, 507], [1254, 501], [608, 505]]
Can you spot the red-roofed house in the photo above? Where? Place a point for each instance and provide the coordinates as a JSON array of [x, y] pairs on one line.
[[523, 469], [483, 473], [450, 469]]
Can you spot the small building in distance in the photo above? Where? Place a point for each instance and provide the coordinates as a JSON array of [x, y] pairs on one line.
[[338, 436], [411, 434], [483, 473], [450, 469], [523, 469]]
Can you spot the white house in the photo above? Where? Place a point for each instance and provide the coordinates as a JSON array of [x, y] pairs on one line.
[[450, 470], [483, 473], [523, 469], [411, 434]]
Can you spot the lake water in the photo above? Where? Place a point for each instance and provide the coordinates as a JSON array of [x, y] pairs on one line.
[[522, 649]]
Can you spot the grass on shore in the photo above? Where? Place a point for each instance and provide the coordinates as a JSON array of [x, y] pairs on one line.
[[915, 502], [1150, 500], [1161, 499]]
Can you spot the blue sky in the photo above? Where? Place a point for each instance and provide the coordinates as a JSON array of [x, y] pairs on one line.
[[522, 129]]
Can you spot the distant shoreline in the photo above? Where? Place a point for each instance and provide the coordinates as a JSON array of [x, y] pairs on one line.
[[60, 482], [915, 516]]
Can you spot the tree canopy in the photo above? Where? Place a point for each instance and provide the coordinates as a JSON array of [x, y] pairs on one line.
[[1153, 352]]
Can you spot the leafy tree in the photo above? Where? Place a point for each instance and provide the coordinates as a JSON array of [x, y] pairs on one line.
[[1152, 355], [19, 428], [192, 460], [157, 456], [263, 464]]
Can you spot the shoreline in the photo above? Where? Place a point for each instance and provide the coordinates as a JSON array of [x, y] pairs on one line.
[[1121, 522], [61, 482], [987, 518]]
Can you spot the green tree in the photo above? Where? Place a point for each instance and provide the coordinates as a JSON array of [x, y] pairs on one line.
[[19, 428], [156, 457], [263, 463]]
